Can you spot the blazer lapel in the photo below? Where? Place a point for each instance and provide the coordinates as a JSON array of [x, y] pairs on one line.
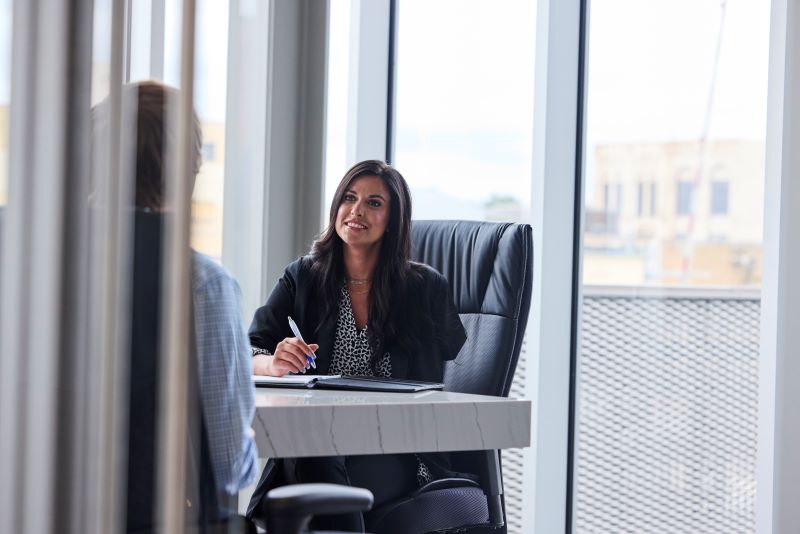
[[399, 359]]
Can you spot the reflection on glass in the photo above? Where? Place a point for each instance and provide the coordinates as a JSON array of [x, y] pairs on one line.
[[5, 95], [668, 362], [101, 51], [336, 163], [210, 90], [464, 109]]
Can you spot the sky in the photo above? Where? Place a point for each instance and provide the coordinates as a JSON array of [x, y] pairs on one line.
[[650, 63], [650, 66], [466, 73]]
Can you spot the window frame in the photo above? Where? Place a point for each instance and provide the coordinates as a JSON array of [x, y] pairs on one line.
[[778, 457]]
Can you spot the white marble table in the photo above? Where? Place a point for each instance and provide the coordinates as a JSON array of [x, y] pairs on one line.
[[300, 422]]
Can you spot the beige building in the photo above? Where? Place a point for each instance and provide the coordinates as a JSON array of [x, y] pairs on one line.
[[208, 192], [675, 213]]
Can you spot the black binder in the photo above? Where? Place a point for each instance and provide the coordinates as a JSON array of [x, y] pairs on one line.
[[374, 383]]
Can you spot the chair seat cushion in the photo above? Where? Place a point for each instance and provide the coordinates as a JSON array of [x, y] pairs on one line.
[[440, 505]]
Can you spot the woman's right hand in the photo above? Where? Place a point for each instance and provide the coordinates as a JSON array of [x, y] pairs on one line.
[[289, 357]]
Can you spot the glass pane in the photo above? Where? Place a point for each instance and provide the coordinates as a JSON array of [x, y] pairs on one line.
[[464, 133], [338, 78], [674, 178], [210, 91], [464, 109], [5, 96]]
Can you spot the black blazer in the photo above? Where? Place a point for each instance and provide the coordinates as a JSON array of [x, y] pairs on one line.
[[429, 329]]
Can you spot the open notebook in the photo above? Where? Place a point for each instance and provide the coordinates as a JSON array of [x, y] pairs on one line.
[[290, 381], [362, 383]]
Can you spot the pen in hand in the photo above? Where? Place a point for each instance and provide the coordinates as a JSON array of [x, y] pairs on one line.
[[296, 331]]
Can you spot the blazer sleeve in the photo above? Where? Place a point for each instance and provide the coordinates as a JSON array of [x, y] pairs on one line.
[[270, 325], [450, 333]]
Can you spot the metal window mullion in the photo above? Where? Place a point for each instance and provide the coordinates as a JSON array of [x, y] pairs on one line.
[[554, 201], [33, 284], [368, 103], [173, 416], [778, 456], [72, 486], [294, 134], [16, 242], [312, 40], [109, 311], [43, 330]]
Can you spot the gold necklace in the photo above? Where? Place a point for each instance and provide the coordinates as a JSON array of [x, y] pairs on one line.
[[358, 281]]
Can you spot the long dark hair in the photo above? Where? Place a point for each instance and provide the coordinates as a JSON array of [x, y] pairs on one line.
[[394, 268]]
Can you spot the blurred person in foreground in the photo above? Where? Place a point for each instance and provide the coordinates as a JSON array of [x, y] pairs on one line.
[[227, 455]]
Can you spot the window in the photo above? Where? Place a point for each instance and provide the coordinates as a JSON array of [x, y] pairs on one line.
[[5, 93], [666, 416], [211, 64], [464, 107], [640, 199], [207, 152], [719, 198], [683, 197], [653, 203], [464, 128], [336, 124], [210, 89]]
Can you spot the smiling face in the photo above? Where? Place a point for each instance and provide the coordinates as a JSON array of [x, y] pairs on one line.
[[363, 215]]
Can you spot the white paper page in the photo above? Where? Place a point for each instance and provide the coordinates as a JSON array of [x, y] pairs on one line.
[[290, 379]]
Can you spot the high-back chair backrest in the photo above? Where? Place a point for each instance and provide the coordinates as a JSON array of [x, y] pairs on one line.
[[489, 267]]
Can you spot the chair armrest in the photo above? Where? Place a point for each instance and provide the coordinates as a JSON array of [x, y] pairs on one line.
[[290, 508], [318, 499]]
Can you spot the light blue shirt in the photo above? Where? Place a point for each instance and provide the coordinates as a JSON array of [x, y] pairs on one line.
[[225, 371]]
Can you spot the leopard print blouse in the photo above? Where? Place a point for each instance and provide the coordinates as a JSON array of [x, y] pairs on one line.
[[352, 354]]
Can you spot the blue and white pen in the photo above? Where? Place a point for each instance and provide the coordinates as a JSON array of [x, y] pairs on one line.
[[298, 335]]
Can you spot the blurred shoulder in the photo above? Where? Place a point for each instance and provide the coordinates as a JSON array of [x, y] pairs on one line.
[[205, 271]]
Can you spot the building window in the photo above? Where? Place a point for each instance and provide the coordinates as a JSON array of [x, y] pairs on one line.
[[653, 199], [684, 198], [640, 199], [208, 151], [719, 198]]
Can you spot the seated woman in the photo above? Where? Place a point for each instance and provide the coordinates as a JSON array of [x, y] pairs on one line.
[[366, 309]]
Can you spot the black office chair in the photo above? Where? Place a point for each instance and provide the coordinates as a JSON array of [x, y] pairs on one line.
[[489, 267]]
